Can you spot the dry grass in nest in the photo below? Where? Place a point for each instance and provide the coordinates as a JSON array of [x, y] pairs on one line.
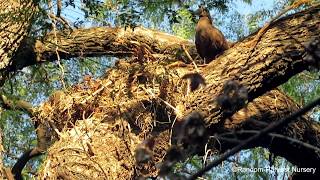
[[92, 150], [94, 121]]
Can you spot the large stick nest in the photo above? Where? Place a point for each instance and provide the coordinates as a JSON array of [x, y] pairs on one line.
[[99, 123]]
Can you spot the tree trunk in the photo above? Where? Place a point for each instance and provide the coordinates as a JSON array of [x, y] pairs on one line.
[[15, 19]]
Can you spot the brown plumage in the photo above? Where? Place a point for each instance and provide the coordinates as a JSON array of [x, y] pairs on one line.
[[210, 42]]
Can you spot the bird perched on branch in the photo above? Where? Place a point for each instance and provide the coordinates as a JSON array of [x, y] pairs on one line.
[[210, 42]]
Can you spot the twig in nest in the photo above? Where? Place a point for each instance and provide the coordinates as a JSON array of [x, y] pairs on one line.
[[8, 174], [51, 124], [98, 91], [154, 96], [190, 58], [143, 50], [88, 152]]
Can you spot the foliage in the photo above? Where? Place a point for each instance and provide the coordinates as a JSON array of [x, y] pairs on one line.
[[302, 84], [183, 22]]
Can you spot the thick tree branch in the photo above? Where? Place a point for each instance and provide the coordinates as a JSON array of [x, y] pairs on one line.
[[16, 104], [42, 145], [41, 131], [15, 17], [118, 42], [278, 56], [272, 127], [101, 41]]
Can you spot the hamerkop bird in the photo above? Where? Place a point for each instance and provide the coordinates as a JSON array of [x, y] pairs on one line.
[[210, 42]]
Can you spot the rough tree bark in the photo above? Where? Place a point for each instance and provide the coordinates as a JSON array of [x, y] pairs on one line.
[[15, 17], [131, 103], [100, 41], [2, 170]]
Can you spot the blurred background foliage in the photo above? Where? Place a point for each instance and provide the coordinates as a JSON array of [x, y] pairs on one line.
[[236, 19]]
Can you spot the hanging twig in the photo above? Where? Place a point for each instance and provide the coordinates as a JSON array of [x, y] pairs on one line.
[[56, 42]]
